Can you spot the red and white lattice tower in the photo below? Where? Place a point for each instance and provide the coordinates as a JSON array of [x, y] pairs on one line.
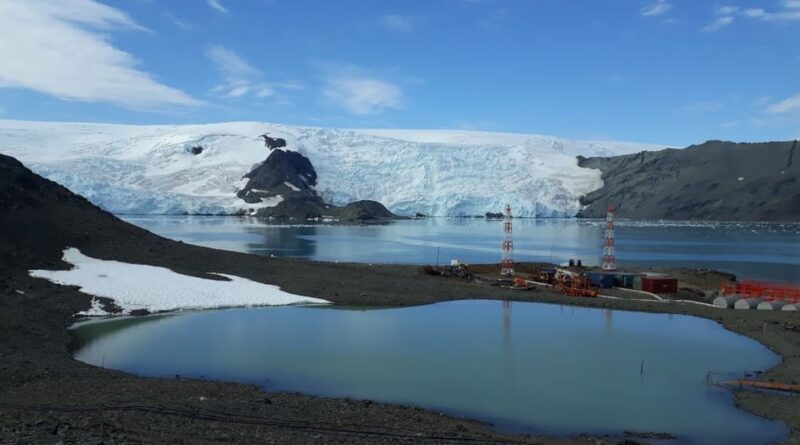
[[609, 256], [507, 264]]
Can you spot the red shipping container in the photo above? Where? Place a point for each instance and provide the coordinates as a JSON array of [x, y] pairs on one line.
[[660, 285]]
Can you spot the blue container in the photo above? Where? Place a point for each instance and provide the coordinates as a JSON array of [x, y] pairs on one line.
[[601, 280]]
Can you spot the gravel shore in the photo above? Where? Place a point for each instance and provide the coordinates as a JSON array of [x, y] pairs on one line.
[[51, 397]]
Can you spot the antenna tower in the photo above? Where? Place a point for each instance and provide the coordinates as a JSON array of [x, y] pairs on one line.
[[507, 264], [609, 255]]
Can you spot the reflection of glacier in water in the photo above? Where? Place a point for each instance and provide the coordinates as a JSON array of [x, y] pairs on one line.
[[769, 251]]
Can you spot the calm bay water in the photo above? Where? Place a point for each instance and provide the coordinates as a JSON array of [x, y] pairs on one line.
[[524, 366], [768, 251]]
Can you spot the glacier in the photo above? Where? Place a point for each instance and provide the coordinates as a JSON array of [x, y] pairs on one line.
[[149, 169]]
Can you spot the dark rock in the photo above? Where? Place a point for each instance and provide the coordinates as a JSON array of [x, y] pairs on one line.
[[291, 177], [285, 173], [310, 207], [195, 150], [363, 211], [712, 181], [273, 143]]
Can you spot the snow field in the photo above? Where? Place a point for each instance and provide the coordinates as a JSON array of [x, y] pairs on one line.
[[156, 289]]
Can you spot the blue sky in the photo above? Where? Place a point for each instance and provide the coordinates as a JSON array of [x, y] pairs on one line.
[[663, 71]]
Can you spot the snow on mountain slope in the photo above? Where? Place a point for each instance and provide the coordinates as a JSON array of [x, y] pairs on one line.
[[149, 169]]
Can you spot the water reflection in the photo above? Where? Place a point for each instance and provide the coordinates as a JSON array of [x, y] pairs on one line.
[[548, 368], [754, 250]]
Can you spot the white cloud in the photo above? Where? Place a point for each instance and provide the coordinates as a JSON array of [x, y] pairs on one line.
[[241, 78], [785, 106], [63, 48], [727, 10], [363, 95], [660, 7], [397, 23], [754, 13], [180, 23], [791, 13], [217, 5], [718, 23]]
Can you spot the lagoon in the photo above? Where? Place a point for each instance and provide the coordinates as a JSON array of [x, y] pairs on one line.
[[523, 366]]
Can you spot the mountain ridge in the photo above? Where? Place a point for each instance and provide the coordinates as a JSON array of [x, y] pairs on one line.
[[154, 169], [715, 180]]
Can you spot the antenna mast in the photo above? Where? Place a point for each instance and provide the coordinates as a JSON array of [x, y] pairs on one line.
[[507, 264], [609, 255]]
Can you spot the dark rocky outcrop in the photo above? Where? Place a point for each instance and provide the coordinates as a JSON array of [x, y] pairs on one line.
[[716, 180], [288, 176], [38, 218], [273, 143], [195, 150], [285, 173], [363, 211]]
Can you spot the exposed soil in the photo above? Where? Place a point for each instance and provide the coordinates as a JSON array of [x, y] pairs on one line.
[[48, 397]]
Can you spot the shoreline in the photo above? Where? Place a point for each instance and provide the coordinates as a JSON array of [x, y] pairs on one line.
[[391, 286]]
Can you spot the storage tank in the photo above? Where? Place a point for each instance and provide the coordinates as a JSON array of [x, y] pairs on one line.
[[726, 302], [747, 303], [771, 305]]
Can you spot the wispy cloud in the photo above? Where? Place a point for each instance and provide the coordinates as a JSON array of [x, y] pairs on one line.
[[217, 5], [63, 48], [180, 23], [398, 23], [718, 23], [357, 90], [241, 78], [787, 15], [660, 7], [788, 11], [363, 95], [786, 105], [726, 10]]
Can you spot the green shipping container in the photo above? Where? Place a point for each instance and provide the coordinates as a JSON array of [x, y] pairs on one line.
[[624, 280], [628, 281], [637, 283]]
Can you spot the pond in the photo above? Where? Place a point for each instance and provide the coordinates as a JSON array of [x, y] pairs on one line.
[[767, 251], [523, 366]]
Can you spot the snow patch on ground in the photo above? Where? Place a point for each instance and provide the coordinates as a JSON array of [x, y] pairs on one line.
[[95, 311], [138, 286], [130, 169]]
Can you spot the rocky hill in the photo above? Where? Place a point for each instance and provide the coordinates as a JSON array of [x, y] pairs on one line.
[[716, 180], [282, 187]]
